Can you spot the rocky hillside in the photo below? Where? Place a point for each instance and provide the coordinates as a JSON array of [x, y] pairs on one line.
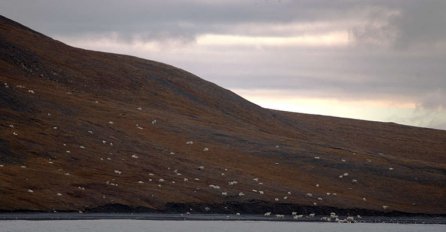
[[83, 130]]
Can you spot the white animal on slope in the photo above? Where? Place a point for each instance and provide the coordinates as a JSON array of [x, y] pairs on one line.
[[118, 172], [298, 216], [234, 182], [350, 219]]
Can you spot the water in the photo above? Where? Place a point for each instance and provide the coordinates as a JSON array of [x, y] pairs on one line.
[[205, 226]]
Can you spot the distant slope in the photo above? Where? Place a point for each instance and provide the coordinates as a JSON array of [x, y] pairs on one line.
[[84, 130]]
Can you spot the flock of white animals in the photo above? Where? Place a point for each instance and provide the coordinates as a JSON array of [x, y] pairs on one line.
[[332, 217]]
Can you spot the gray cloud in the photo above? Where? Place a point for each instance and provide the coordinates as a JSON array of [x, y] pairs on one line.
[[410, 23], [341, 74], [399, 48], [434, 100], [180, 18], [422, 22]]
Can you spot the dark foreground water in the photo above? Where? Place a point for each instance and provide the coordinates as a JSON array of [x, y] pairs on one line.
[[118, 225]]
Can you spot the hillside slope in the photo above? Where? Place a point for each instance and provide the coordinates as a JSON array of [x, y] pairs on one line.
[[84, 129]]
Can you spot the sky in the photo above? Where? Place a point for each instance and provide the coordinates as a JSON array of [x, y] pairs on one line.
[[380, 60]]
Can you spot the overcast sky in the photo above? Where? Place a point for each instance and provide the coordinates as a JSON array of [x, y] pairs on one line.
[[382, 60]]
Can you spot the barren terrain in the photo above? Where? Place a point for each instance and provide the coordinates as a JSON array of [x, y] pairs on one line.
[[83, 129]]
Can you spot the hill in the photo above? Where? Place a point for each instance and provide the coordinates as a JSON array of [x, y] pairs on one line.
[[85, 130]]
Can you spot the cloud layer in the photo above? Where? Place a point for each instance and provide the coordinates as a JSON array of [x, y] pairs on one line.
[[379, 60]]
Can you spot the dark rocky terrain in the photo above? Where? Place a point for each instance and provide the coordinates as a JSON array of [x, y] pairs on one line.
[[85, 130]]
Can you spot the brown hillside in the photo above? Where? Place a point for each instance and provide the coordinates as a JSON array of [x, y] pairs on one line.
[[83, 129]]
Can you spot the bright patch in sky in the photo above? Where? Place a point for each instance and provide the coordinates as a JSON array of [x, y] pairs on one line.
[[376, 110], [327, 39]]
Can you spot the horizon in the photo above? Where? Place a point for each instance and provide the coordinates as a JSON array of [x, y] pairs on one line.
[[369, 60]]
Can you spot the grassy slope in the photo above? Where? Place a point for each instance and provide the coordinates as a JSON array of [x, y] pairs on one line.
[[84, 90]]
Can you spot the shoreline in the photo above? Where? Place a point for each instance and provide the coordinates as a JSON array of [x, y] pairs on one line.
[[215, 217]]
